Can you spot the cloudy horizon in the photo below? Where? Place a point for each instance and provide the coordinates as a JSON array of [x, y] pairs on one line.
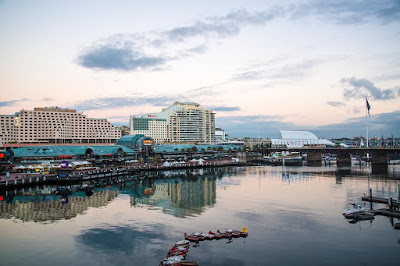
[[261, 67]]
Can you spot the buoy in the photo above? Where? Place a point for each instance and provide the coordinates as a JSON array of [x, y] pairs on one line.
[[244, 229]]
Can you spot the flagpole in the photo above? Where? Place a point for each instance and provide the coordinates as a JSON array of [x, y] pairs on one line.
[[366, 119], [366, 116]]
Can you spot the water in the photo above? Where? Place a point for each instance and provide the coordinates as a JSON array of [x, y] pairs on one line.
[[293, 215]]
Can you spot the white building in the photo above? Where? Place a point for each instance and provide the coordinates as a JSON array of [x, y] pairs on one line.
[[55, 125], [299, 139], [220, 135], [179, 123], [156, 128]]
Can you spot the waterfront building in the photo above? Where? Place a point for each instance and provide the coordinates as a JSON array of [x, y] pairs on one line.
[[55, 125], [300, 139], [151, 126], [179, 123], [124, 130], [256, 143], [141, 144], [220, 134]]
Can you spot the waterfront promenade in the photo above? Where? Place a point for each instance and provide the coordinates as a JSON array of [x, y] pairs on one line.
[[22, 179]]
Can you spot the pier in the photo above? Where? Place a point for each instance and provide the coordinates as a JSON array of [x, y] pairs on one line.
[[392, 209]]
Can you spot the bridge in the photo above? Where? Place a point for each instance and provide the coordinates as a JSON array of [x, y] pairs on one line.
[[377, 156]]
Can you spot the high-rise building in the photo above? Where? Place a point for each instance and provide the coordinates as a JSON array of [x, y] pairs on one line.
[[156, 128], [55, 125], [179, 123]]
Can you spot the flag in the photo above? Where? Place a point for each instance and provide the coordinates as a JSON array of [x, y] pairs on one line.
[[368, 106]]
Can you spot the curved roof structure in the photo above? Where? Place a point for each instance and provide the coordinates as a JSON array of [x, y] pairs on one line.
[[297, 135], [129, 140], [299, 139], [170, 148], [70, 150]]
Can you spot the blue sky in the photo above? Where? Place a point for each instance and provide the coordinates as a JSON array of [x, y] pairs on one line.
[[261, 66]]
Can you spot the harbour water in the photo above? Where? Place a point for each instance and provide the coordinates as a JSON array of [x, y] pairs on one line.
[[293, 215]]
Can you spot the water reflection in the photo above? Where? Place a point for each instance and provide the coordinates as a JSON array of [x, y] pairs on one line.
[[52, 207], [178, 193]]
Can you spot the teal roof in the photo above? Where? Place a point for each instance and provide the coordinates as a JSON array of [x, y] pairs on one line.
[[171, 148], [129, 140], [66, 150]]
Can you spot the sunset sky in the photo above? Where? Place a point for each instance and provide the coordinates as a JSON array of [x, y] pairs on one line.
[[261, 66]]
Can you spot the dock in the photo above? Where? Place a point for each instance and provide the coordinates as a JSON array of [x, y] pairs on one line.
[[392, 209], [380, 200]]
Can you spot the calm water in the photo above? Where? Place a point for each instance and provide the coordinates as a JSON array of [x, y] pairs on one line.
[[293, 215]]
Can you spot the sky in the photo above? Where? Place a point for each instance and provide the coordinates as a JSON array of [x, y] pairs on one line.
[[261, 66]]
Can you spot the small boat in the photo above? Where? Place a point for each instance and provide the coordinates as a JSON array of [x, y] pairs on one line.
[[174, 260], [189, 263], [216, 235], [191, 237], [182, 243], [208, 236], [200, 236], [352, 209], [180, 250], [244, 232], [361, 217], [232, 233]]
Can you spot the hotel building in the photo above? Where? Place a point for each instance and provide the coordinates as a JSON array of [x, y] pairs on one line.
[[179, 123], [55, 125]]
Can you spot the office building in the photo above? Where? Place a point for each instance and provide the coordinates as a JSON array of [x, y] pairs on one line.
[[179, 123]]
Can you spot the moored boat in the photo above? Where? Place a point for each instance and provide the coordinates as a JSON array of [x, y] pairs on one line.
[[182, 243], [244, 232], [352, 209], [216, 235]]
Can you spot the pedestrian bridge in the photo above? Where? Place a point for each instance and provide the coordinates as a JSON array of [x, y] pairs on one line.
[[378, 157]]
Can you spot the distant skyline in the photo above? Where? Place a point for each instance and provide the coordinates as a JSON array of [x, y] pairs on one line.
[[262, 66]]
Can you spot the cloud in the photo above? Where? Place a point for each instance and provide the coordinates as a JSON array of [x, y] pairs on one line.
[[276, 69], [126, 101], [270, 126], [363, 88], [154, 50], [350, 12], [118, 58], [120, 244], [11, 103], [336, 104], [253, 126], [224, 108], [386, 123], [47, 99]]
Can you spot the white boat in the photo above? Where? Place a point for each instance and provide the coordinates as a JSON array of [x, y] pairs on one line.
[[284, 158], [352, 209]]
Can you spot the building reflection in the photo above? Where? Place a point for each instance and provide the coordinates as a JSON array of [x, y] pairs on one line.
[[51, 210], [181, 193]]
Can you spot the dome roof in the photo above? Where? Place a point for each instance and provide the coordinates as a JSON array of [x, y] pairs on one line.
[[297, 135]]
